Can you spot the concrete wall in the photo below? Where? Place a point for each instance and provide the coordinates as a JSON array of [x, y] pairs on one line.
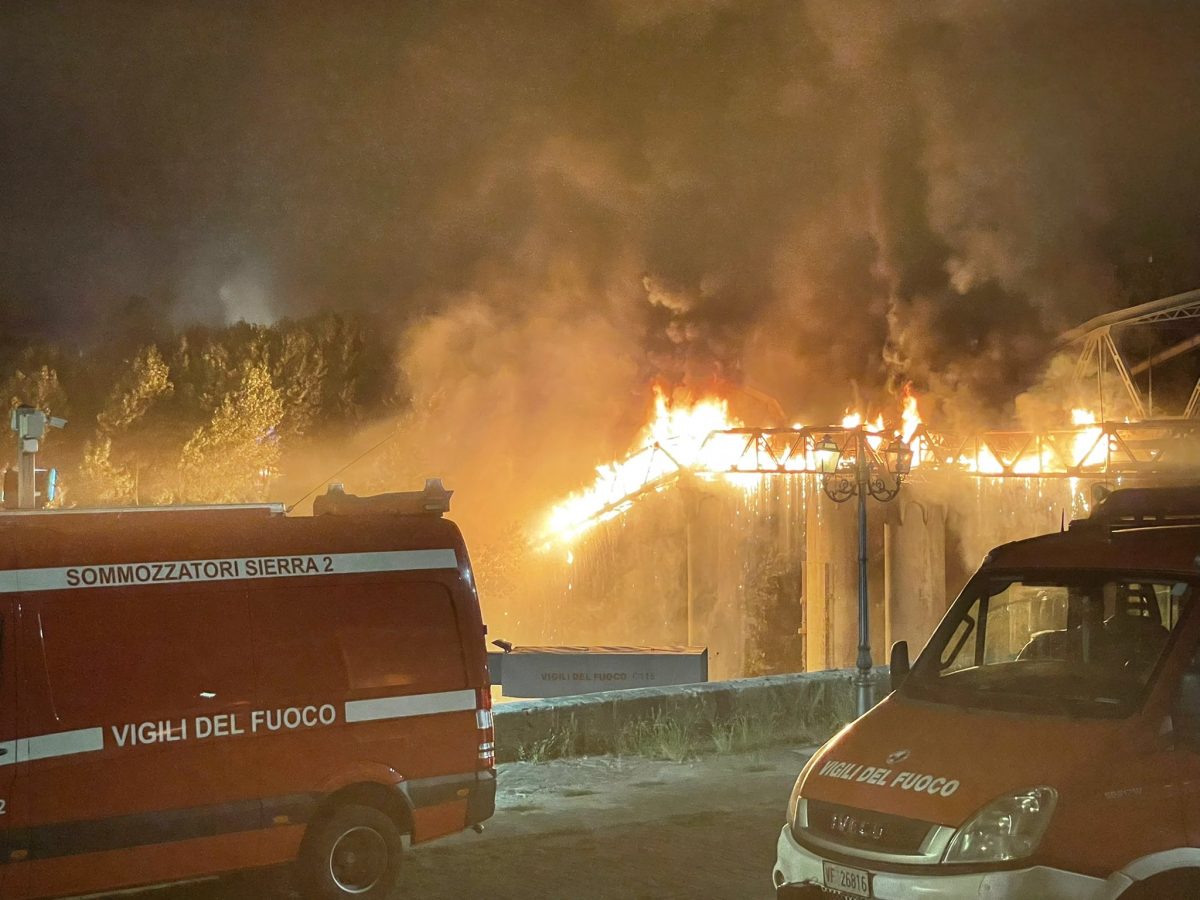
[[804, 707]]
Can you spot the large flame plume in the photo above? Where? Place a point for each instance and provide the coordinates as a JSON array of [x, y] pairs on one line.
[[701, 436], [694, 434]]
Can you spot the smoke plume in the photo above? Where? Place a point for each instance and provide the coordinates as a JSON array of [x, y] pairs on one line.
[[554, 205]]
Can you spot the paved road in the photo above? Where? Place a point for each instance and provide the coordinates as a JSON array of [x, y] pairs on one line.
[[606, 829]]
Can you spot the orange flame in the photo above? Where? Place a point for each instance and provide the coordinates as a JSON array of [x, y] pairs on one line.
[[689, 435], [677, 436], [1089, 448]]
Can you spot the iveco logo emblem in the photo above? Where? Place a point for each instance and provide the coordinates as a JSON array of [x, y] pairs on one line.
[[897, 757], [852, 827]]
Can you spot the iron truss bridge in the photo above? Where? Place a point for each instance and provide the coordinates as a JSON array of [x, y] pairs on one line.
[[1166, 450]]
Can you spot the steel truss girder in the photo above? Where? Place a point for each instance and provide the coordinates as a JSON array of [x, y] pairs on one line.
[[1165, 449], [1098, 347]]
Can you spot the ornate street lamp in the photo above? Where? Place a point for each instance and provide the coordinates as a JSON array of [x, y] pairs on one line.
[[865, 475], [827, 453]]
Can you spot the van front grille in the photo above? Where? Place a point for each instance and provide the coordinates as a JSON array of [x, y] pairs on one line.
[[864, 829]]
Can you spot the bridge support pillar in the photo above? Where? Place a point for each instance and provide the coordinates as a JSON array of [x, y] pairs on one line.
[[830, 584], [914, 571]]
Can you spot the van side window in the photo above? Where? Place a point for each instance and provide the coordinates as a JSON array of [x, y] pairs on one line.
[[110, 658], [316, 641]]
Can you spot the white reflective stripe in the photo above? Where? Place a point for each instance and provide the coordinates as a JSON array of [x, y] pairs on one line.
[[8, 753], [64, 743], [412, 705], [186, 571], [483, 719]]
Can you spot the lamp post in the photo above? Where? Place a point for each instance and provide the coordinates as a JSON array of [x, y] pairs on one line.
[[866, 475]]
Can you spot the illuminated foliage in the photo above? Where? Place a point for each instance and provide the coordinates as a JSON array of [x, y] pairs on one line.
[[234, 455], [206, 414]]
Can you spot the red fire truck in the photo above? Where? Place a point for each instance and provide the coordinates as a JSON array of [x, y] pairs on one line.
[[191, 691], [1046, 744]]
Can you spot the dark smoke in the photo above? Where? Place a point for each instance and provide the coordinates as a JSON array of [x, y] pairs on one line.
[[555, 203]]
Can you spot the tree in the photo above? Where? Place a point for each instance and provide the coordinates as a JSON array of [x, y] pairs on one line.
[[232, 457], [148, 380], [98, 480]]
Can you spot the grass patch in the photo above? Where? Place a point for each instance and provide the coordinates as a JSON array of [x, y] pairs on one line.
[[762, 721], [679, 729], [675, 737], [561, 741]]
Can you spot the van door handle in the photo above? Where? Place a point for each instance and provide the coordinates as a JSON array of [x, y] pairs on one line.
[[3, 751]]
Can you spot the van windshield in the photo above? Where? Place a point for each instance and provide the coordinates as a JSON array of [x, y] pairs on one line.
[[1083, 644]]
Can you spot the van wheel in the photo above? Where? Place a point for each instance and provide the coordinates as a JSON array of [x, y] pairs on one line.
[[1178, 884], [353, 853]]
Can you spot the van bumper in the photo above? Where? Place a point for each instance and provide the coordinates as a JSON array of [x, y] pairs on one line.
[[482, 803], [799, 873]]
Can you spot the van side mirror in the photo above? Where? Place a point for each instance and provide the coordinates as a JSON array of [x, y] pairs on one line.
[[1185, 712], [899, 663]]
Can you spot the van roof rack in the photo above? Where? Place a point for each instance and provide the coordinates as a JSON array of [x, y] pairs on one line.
[[432, 501], [1146, 508]]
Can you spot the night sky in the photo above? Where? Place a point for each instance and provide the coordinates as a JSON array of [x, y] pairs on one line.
[[571, 197]]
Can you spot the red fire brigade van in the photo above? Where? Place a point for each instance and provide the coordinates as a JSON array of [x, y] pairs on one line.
[[1045, 744], [191, 691]]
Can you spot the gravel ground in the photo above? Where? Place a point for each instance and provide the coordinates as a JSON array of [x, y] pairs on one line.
[[604, 829]]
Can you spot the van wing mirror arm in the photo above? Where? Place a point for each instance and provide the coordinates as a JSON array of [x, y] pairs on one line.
[[899, 664]]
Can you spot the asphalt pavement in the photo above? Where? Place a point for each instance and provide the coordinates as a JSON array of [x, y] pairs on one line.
[[603, 829]]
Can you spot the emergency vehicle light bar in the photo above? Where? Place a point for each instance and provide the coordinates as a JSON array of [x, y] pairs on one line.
[[1146, 507], [434, 500]]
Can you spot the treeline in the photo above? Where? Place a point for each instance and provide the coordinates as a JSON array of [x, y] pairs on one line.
[[206, 414]]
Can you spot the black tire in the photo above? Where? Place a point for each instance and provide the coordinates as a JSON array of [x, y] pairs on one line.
[[1180, 884], [354, 853]]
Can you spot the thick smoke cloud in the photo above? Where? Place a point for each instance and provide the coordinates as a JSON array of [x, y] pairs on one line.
[[556, 203]]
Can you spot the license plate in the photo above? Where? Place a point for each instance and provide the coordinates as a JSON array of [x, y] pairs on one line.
[[844, 880]]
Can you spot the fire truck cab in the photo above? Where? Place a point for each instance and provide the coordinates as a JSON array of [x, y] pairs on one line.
[[1046, 743], [190, 691]]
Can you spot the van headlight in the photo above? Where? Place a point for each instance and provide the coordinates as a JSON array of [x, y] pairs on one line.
[[1009, 827], [794, 802]]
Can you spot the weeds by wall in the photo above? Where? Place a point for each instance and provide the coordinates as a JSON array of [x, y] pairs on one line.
[[678, 722]]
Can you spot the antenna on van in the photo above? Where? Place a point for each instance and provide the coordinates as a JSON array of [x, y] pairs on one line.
[[316, 487]]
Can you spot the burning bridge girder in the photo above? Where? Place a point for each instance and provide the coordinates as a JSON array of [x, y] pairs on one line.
[[1167, 449], [1153, 448]]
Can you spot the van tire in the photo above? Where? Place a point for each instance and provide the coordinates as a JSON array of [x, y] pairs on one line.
[[352, 853], [1177, 884]]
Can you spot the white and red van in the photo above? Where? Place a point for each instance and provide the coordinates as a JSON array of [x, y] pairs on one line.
[[191, 691], [1045, 744]]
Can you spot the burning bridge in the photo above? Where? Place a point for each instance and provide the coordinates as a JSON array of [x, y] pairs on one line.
[[1145, 451], [693, 537]]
